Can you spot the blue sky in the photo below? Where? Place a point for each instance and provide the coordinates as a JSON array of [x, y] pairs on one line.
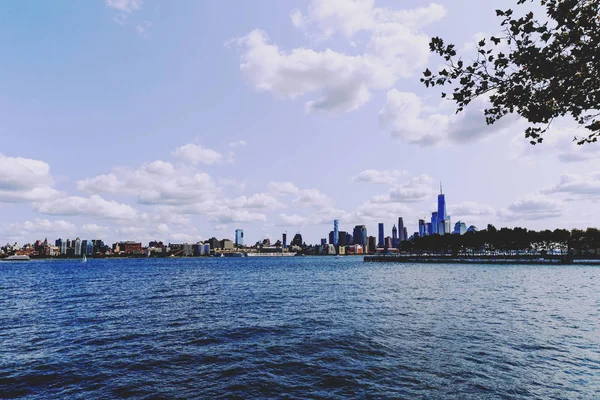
[[177, 121]]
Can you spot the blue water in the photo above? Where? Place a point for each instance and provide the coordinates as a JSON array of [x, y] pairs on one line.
[[297, 328]]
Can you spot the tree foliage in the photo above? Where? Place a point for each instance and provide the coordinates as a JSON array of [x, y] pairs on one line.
[[506, 239], [541, 69]]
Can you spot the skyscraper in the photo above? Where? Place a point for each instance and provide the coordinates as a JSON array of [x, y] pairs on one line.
[[77, 247], [434, 222], [442, 218], [394, 237], [336, 236], [401, 233], [422, 231], [239, 237], [405, 233], [381, 237], [360, 235], [284, 237]]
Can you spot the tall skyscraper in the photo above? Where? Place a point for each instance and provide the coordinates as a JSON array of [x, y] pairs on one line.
[[239, 237], [77, 247], [422, 231], [401, 233], [442, 218], [381, 237], [336, 236], [284, 237], [434, 222], [360, 235], [405, 233], [394, 237]]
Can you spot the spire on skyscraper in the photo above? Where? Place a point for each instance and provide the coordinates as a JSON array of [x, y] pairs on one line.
[[441, 188]]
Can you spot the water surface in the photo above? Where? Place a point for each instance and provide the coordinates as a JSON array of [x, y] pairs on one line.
[[307, 327]]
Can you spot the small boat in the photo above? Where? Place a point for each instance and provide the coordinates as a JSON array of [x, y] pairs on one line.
[[339, 256], [84, 258], [16, 258]]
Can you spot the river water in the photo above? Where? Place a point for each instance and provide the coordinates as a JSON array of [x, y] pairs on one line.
[[300, 327]]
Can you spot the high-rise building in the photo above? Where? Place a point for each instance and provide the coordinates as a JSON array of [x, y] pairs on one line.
[[434, 222], [239, 237], [394, 236], [344, 238], [284, 240], [336, 236], [77, 247], [387, 243], [405, 233], [429, 228], [381, 237], [460, 228], [401, 232], [421, 227], [323, 242], [359, 235], [372, 244]]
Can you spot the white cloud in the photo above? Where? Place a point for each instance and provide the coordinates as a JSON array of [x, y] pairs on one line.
[[125, 5], [195, 154], [282, 188], [312, 198], [379, 177], [25, 180], [256, 201], [533, 207], [143, 29], [293, 220], [238, 143], [471, 209], [578, 186], [92, 207], [341, 82], [40, 228], [417, 189], [228, 215], [157, 182], [406, 118]]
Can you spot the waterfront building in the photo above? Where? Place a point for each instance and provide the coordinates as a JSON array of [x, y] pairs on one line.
[[381, 238], [239, 237], [360, 235], [226, 244], [372, 245], [394, 237], [429, 228], [422, 229], [336, 236], [214, 243], [323, 242], [130, 247], [77, 247], [284, 240], [188, 250], [460, 228], [297, 240], [405, 233], [344, 238], [434, 222], [401, 231], [387, 242], [89, 248]]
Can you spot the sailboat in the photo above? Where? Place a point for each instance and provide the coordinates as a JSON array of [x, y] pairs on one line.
[[84, 258]]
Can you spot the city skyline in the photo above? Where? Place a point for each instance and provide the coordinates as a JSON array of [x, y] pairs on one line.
[[128, 130]]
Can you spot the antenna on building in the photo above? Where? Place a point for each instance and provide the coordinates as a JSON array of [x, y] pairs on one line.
[[441, 188]]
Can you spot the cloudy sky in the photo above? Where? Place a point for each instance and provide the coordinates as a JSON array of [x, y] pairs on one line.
[[177, 121]]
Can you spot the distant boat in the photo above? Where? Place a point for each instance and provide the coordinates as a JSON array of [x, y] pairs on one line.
[[339, 256], [16, 258], [84, 258]]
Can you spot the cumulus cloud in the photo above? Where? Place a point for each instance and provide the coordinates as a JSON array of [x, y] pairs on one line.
[[406, 118], [340, 82], [417, 189], [379, 177], [195, 154], [312, 198], [158, 182], [25, 180], [40, 228], [125, 5], [471, 209], [578, 186], [92, 207], [535, 206], [229, 215], [238, 143], [257, 201], [282, 188]]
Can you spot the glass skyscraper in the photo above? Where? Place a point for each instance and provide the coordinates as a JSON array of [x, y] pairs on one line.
[[381, 238], [239, 237], [336, 235]]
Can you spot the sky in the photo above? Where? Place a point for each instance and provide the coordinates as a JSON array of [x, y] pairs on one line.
[[178, 121]]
